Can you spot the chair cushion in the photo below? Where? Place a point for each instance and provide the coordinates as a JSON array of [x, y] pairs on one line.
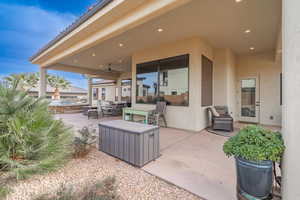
[[214, 112], [224, 118]]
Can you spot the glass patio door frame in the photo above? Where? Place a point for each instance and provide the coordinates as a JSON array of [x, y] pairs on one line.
[[256, 103]]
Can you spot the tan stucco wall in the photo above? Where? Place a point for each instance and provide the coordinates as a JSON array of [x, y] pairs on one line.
[[192, 117], [224, 84], [110, 93], [268, 71], [228, 69]]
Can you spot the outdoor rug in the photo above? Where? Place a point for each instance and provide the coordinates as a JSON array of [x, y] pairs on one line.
[[223, 133]]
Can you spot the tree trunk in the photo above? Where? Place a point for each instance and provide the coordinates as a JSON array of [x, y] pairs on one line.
[[56, 95]]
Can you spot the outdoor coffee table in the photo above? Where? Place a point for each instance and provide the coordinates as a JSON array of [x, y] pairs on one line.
[[133, 142], [137, 111]]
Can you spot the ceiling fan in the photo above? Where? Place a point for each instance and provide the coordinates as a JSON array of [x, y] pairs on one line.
[[108, 68]]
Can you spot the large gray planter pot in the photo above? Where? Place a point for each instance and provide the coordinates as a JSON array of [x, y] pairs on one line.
[[254, 178]]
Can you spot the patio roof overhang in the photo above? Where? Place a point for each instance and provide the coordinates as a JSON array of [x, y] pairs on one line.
[[111, 36]]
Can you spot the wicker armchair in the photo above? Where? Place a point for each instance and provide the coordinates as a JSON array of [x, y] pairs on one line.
[[221, 120]]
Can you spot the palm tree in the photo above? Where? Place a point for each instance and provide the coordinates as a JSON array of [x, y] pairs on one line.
[[57, 83], [31, 80], [26, 81]]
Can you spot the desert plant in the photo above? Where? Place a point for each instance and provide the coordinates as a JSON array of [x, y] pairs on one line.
[[57, 83], [26, 80], [83, 142], [102, 190], [255, 143], [31, 140], [3, 192]]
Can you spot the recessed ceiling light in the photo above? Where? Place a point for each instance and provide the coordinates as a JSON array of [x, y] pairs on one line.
[[160, 30], [120, 61], [248, 31], [238, 1], [121, 44], [93, 54], [251, 48]]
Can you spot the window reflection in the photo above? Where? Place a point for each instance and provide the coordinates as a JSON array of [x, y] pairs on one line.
[[164, 80], [146, 82], [248, 98]]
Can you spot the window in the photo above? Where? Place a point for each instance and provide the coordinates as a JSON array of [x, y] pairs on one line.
[[103, 91], [164, 78], [157, 80], [207, 82], [95, 93], [126, 90], [146, 82]]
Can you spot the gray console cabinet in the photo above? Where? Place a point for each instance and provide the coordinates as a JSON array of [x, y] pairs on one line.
[[132, 142]]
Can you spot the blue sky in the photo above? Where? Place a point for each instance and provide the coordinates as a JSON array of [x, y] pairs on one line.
[[27, 25]]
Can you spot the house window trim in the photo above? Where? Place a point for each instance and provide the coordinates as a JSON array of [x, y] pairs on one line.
[[158, 79]]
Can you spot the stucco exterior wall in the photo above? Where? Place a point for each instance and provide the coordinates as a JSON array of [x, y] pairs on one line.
[[192, 117], [110, 93], [227, 70], [224, 83], [268, 71]]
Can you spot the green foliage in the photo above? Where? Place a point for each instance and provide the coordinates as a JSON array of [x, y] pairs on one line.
[[103, 190], [256, 144], [31, 140], [31, 80], [26, 80], [3, 192], [58, 82], [83, 142]]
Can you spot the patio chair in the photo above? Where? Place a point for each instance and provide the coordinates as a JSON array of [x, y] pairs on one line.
[[159, 114], [220, 118], [95, 112]]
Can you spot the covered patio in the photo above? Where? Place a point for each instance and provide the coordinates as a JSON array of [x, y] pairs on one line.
[[177, 51], [191, 160], [234, 57]]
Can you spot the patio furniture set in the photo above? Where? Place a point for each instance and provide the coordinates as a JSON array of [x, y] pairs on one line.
[[104, 108], [150, 116], [138, 143]]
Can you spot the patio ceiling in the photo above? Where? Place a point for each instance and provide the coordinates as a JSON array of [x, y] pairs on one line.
[[220, 23]]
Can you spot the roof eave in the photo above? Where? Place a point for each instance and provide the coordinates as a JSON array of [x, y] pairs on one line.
[[83, 18]]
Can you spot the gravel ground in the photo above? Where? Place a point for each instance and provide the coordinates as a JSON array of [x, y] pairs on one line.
[[132, 183]]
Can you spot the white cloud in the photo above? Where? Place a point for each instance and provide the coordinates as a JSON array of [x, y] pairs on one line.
[[25, 29], [30, 27]]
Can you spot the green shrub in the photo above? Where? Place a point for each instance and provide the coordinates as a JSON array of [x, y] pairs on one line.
[[102, 190], [83, 142], [31, 140], [256, 144], [3, 192]]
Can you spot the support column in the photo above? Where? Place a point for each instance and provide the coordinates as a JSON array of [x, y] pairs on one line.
[[43, 82], [119, 86], [90, 91], [291, 96]]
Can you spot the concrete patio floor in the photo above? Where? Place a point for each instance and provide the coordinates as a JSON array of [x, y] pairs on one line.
[[191, 160], [197, 164]]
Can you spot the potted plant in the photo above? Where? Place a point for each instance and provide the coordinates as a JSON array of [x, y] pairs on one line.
[[255, 149]]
